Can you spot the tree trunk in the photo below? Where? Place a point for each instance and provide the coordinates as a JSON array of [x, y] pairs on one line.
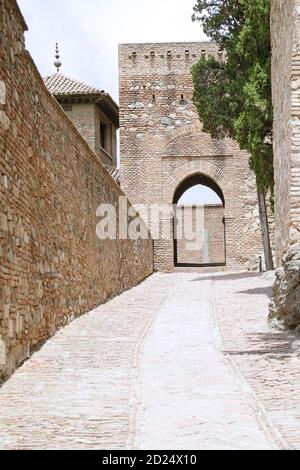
[[265, 230]]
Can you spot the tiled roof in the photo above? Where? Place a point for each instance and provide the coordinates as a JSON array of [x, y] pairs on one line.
[[60, 85]]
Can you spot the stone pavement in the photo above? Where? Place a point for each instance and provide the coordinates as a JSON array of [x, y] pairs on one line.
[[190, 398], [182, 361], [267, 359]]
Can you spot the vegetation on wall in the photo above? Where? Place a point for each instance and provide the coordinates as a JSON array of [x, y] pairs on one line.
[[233, 97]]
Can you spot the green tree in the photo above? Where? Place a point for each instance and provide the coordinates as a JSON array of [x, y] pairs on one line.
[[233, 96]]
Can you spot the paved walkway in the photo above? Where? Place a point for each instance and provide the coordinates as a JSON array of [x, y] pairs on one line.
[[180, 362]]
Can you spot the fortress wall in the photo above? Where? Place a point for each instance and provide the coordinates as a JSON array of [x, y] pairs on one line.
[[53, 267], [285, 28]]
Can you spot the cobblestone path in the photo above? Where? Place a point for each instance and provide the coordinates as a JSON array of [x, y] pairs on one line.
[[183, 361]]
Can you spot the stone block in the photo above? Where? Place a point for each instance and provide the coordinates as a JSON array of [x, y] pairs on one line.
[[2, 93], [2, 352], [3, 222], [4, 120]]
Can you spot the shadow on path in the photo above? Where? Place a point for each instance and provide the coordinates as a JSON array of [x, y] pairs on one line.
[[280, 345], [228, 277], [267, 291]]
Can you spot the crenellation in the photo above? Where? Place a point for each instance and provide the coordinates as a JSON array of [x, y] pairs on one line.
[[164, 57]]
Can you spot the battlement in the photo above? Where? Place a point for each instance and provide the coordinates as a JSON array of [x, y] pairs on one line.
[[178, 56]]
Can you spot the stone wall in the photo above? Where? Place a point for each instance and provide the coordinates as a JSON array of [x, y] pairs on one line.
[[213, 237], [282, 44], [52, 265], [162, 144], [285, 25]]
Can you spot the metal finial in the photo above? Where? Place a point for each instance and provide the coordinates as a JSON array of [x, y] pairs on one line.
[[57, 62]]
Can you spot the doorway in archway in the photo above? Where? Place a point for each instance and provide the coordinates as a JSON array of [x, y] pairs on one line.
[[199, 206]]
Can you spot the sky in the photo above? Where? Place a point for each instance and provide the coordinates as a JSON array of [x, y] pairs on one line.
[[199, 194], [88, 33]]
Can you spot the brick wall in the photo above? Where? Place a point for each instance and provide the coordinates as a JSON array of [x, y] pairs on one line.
[[52, 266], [285, 25], [162, 144], [83, 117], [213, 236], [86, 118], [282, 43]]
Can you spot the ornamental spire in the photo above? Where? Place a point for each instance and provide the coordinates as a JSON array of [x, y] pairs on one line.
[[57, 62]]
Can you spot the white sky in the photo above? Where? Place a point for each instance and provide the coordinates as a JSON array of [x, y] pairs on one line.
[[199, 195], [89, 31]]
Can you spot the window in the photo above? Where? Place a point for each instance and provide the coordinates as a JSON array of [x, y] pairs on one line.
[[182, 102], [103, 136]]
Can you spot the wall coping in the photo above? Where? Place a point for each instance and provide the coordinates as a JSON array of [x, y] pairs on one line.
[[14, 6]]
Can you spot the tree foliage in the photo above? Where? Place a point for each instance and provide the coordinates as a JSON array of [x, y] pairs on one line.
[[233, 97]]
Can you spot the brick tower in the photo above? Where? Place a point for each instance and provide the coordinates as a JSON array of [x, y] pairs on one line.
[[164, 151]]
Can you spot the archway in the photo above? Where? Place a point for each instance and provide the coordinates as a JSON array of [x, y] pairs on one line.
[[199, 229]]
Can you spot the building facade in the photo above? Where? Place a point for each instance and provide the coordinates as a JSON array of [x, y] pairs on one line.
[[93, 112], [165, 152]]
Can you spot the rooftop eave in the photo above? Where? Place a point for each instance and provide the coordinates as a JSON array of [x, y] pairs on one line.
[[102, 100], [109, 106]]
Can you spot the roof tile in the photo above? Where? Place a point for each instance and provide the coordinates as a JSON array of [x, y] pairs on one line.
[[61, 85]]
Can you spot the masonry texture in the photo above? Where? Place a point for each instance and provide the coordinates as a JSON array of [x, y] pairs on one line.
[[182, 361], [162, 146], [210, 248], [52, 265], [87, 118], [285, 23]]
